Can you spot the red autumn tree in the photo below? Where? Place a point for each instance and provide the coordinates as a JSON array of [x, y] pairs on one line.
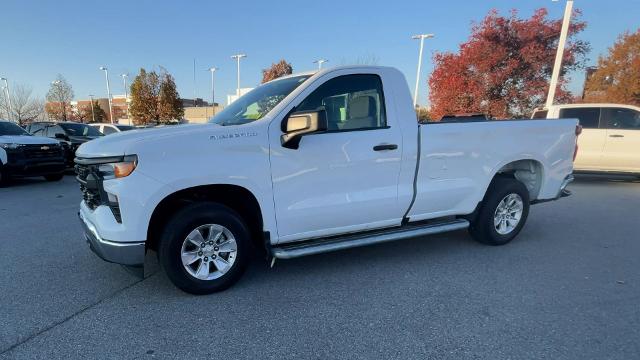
[[503, 70], [281, 68]]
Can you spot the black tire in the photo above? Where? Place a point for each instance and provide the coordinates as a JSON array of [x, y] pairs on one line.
[[4, 176], [483, 229], [182, 224], [54, 177]]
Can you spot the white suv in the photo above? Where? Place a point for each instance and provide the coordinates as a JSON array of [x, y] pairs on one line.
[[111, 128], [610, 139]]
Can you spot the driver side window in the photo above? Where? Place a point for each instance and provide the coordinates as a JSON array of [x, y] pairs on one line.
[[351, 102]]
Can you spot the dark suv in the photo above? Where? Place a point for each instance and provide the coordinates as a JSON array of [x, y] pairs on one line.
[[24, 155], [70, 134]]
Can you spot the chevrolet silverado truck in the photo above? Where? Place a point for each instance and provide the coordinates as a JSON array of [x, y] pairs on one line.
[[307, 164]]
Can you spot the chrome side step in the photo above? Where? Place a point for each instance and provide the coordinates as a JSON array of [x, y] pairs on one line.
[[317, 246]]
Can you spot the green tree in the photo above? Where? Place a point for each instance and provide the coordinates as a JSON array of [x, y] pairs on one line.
[[145, 89], [169, 104], [154, 98], [617, 78], [98, 113]]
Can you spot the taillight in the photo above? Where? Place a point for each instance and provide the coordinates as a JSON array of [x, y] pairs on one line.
[[578, 132]]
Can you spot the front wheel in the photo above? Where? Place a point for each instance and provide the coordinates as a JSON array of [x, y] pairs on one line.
[[204, 248], [503, 212]]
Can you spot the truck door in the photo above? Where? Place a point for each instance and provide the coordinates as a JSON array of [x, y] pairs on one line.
[[345, 179], [591, 141], [622, 146]]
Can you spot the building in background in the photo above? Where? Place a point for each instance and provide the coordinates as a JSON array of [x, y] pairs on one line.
[[200, 114], [197, 102], [195, 110]]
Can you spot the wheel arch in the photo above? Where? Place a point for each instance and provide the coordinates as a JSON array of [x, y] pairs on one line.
[[236, 197], [527, 170]]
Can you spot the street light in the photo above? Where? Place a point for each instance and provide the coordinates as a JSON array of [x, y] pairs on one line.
[[559, 53], [213, 94], [63, 107], [106, 76], [8, 95], [421, 37], [237, 57], [126, 95], [320, 62], [93, 113], [124, 81]]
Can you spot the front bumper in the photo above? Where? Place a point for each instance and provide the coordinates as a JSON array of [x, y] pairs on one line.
[[129, 253], [19, 166]]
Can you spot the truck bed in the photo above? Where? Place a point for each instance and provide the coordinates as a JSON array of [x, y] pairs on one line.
[[459, 159]]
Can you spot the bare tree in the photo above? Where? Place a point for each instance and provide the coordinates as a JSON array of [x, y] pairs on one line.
[[24, 107], [60, 95]]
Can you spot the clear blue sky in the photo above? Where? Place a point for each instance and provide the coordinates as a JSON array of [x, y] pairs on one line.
[[43, 38]]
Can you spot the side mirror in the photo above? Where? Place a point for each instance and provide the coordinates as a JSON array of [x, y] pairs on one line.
[[61, 136], [299, 124]]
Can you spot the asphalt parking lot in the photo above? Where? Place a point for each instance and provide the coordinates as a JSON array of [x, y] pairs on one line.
[[567, 287]]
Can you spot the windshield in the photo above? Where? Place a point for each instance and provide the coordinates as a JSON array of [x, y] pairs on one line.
[[8, 128], [258, 102], [80, 130], [125, 127]]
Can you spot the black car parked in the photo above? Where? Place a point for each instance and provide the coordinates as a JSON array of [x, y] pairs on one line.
[[70, 134], [24, 155]]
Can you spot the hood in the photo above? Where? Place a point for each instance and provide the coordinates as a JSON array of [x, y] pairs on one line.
[[27, 140], [118, 143]]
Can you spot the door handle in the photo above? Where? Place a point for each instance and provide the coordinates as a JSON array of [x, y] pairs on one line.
[[383, 147], [616, 136]]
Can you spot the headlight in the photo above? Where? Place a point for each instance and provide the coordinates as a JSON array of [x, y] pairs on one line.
[[11, 146], [118, 169]]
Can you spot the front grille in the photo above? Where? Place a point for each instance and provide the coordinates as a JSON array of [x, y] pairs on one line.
[[93, 193], [42, 151], [89, 185]]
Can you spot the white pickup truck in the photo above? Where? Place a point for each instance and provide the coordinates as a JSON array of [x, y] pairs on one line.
[[307, 164]]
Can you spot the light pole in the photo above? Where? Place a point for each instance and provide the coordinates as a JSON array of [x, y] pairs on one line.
[[237, 57], [126, 95], [320, 62], [63, 106], [124, 82], [213, 94], [106, 76], [8, 95], [93, 112], [4, 89], [421, 37], [557, 66]]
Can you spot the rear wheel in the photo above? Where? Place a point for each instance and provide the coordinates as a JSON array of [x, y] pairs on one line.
[[204, 248], [503, 212], [54, 177]]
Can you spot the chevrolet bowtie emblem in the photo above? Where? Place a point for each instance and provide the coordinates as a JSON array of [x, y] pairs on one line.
[[44, 147]]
